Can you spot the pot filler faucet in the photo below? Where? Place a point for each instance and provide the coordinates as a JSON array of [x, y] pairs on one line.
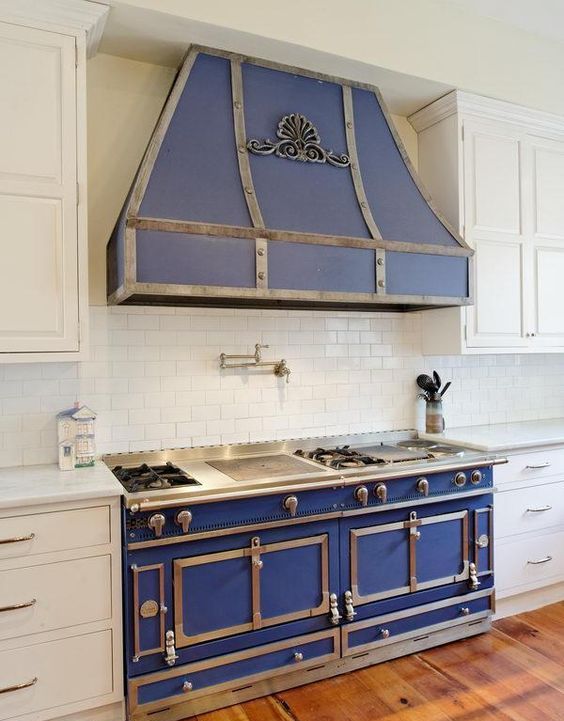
[[280, 368]]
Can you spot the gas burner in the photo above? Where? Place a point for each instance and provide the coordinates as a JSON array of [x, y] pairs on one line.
[[153, 478], [340, 457], [415, 449]]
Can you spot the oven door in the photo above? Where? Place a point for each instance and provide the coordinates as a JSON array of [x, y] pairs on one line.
[[228, 592], [395, 553]]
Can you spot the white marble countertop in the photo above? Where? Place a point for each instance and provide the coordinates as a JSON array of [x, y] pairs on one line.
[[31, 485], [504, 436]]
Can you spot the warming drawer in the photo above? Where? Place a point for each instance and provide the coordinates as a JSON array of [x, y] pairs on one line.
[[411, 623], [191, 681]]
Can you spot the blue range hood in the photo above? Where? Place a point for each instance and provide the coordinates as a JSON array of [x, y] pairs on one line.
[[265, 185]]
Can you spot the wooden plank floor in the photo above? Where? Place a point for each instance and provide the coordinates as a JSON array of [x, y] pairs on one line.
[[514, 673]]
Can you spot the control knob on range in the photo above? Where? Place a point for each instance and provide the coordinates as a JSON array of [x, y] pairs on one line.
[[184, 519], [476, 477], [460, 479], [361, 495], [290, 504], [423, 486], [381, 492], [157, 522]]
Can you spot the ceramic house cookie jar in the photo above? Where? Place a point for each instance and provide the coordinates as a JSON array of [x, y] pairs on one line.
[[76, 437]]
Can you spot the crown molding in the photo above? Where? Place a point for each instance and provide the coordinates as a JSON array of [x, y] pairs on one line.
[[465, 104], [77, 17]]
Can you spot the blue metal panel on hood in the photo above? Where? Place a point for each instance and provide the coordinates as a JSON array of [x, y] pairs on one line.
[[189, 259], [293, 195], [196, 174], [419, 274], [301, 266], [398, 207]]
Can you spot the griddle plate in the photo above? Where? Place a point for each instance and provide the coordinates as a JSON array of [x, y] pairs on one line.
[[251, 469]]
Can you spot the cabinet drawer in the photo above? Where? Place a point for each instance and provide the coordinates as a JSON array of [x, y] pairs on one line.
[[393, 627], [55, 673], [530, 466], [529, 509], [528, 563], [22, 536], [55, 595], [232, 670]]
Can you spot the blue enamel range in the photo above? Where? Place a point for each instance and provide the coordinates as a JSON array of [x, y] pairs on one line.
[[236, 582]]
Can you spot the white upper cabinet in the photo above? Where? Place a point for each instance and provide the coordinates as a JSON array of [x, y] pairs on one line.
[[43, 275], [497, 170]]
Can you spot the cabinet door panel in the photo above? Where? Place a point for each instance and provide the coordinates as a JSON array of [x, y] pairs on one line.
[[493, 184], [38, 196], [548, 184], [497, 317], [30, 141], [549, 275]]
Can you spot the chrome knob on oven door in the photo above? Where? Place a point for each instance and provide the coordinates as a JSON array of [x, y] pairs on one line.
[[381, 492], [290, 504], [460, 479], [184, 519], [157, 522], [361, 495], [423, 486]]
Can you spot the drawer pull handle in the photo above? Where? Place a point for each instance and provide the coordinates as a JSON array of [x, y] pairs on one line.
[[17, 539], [535, 466], [19, 686], [540, 509], [546, 559], [384, 633], [16, 606], [298, 656]]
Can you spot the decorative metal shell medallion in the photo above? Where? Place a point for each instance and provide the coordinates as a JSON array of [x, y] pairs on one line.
[[149, 609], [299, 140]]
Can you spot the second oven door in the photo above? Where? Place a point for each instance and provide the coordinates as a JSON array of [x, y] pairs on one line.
[[236, 584], [401, 552]]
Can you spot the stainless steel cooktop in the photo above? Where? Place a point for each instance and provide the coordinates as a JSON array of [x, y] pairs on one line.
[[242, 469]]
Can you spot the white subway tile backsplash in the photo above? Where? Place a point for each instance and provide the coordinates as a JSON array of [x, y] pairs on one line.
[[154, 379]]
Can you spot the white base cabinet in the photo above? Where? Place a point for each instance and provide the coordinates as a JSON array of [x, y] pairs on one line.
[[497, 173], [529, 530], [60, 612]]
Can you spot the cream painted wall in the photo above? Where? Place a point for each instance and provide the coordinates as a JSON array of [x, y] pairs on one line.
[[125, 98], [433, 39]]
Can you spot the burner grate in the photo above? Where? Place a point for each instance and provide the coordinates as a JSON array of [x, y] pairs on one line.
[[153, 478]]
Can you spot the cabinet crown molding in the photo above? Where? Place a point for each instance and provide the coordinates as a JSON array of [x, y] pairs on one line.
[[458, 101], [79, 17]]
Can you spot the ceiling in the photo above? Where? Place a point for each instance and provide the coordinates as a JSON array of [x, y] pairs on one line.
[[541, 17], [162, 39]]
